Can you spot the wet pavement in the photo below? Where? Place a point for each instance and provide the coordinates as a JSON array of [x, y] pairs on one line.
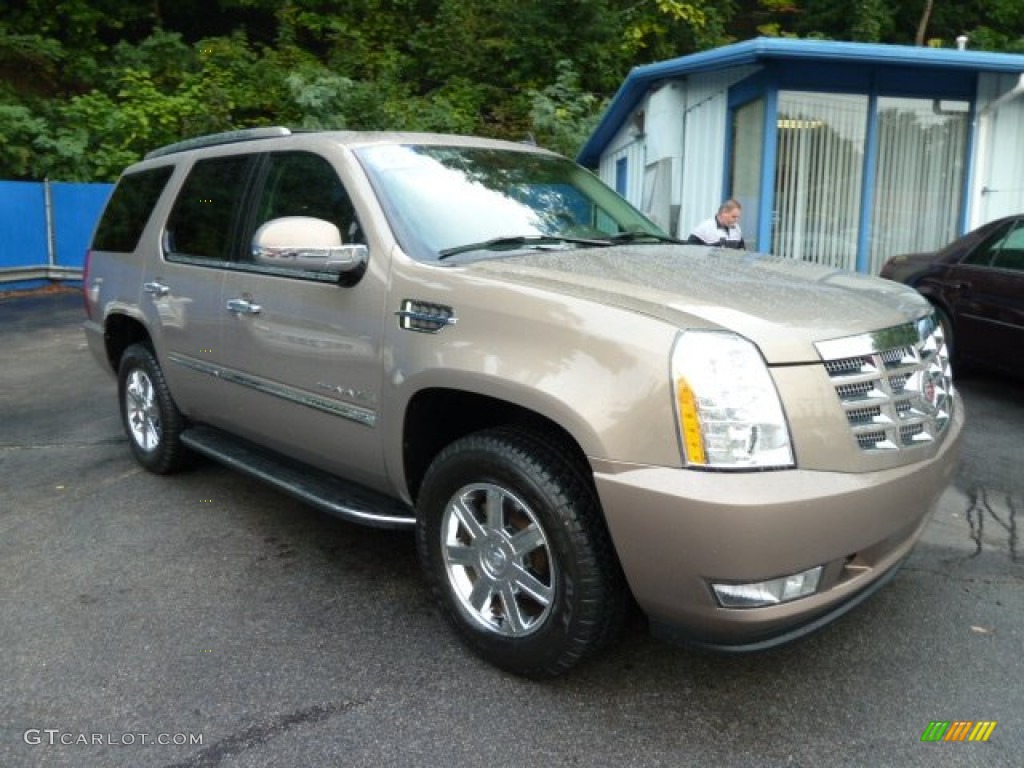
[[204, 620]]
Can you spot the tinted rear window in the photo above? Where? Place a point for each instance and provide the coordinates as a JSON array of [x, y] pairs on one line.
[[126, 214], [201, 224]]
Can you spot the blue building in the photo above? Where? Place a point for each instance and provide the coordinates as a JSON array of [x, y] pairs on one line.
[[841, 153]]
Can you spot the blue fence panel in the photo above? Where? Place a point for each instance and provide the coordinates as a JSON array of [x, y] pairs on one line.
[[76, 209], [22, 224], [39, 245]]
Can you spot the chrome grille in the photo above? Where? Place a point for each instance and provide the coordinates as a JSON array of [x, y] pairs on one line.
[[895, 385], [864, 415], [853, 391]]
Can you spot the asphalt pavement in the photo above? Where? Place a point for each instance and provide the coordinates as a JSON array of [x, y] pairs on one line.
[[205, 620]]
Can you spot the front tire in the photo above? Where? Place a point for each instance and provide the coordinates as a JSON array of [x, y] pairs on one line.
[[148, 412], [511, 537]]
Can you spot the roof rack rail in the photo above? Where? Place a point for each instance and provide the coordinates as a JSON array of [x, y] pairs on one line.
[[213, 139]]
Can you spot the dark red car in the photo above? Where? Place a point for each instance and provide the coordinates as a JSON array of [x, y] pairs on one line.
[[977, 285]]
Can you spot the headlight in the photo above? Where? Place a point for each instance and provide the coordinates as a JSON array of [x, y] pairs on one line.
[[728, 411]]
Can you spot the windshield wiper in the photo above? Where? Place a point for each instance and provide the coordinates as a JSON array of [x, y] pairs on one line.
[[517, 241], [633, 236]]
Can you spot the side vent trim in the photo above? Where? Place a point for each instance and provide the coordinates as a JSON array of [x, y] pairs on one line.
[[424, 317]]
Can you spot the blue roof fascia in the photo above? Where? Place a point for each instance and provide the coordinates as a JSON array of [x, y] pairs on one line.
[[762, 49]]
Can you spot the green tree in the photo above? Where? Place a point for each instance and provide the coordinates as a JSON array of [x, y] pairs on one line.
[[661, 29], [992, 25], [563, 115], [17, 154], [29, 63], [88, 89], [871, 21]]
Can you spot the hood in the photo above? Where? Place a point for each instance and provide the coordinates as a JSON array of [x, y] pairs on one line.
[[905, 266], [783, 306]]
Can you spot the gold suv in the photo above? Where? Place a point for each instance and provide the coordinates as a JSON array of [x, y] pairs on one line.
[[479, 341]]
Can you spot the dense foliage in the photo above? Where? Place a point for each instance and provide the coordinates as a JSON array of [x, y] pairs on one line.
[[88, 90]]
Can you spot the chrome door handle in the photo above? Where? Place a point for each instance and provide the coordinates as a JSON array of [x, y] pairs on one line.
[[156, 289], [243, 307]]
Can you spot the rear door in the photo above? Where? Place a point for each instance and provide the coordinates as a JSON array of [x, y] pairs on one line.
[[182, 289], [126, 240]]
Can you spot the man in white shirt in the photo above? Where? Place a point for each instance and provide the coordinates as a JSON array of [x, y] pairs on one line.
[[722, 229]]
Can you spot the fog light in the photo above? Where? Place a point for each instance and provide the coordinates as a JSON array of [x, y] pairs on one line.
[[772, 592]]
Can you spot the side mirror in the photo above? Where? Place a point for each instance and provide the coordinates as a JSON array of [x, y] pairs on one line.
[[310, 245]]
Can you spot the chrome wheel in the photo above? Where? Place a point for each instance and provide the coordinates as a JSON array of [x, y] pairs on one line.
[[498, 560], [513, 543], [152, 420], [142, 412]]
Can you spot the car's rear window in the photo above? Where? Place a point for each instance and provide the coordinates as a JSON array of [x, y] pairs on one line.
[[201, 223], [126, 214]]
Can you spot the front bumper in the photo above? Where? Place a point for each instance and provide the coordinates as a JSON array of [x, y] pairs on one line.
[[676, 531]]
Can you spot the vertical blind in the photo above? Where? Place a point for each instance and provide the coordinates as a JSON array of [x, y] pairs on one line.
[[820, 161], [919, 181], [917, 193]]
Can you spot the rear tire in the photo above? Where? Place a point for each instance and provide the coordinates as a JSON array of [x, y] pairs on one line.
[[511, 537], [150, 417]]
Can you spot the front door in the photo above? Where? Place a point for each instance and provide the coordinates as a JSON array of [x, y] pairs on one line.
[[989, 299], [303, 353]]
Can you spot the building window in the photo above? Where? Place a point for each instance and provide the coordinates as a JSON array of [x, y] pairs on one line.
[[745, 166], [919, 179], [620, 176], [818, 177], [913, 180]]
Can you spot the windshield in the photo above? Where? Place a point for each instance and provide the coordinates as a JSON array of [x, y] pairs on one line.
[[444, 200]]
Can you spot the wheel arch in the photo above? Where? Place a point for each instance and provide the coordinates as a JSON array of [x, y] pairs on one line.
[[120, 331], [438, 416]]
